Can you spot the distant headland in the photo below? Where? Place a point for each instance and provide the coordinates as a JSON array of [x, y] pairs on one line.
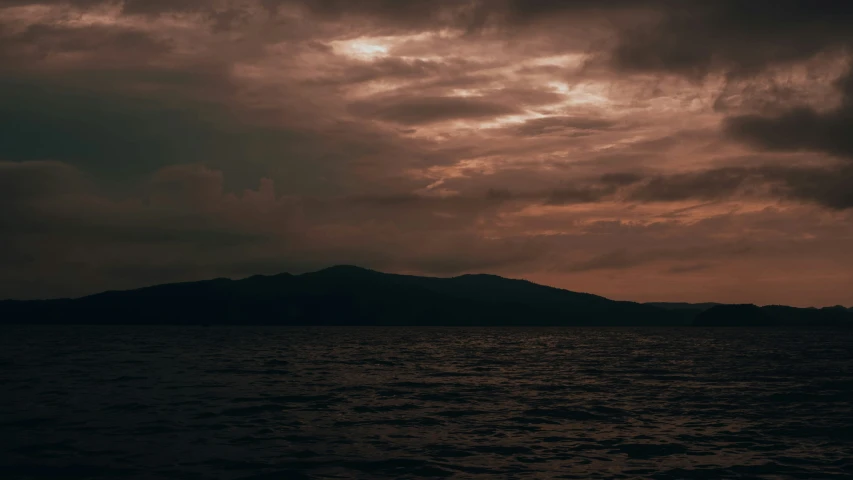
[[353, 296]]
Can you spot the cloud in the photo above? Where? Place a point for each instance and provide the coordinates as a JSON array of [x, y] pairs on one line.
[[562, 125], [56, 199], [59, 221], [704, 185], [181, 225], [422, 111], [801, 128], [695, 37], [689, 268], [625, 259], [620, 178], [109, 131], [828, 186], [383, 69], [625, 142], [96, 45], [573, 195], [36, 179], [824, 185]]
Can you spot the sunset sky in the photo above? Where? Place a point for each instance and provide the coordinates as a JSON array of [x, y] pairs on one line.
[[642, 150]]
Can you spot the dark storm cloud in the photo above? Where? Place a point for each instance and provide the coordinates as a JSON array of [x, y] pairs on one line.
[[797, 129], [410, 13], [830, 187], [387, 15], [55, 199], [806, 129], [153, 7], [128, 6], [107, 97], [740, 36], [705, 185], [469, 14], [40, 40], [802, 128], [527, 9], [60, 236], [36, 179], [108, 131], [111, 55], [827, 186], [129, 122], [75, 3], [426, 110]]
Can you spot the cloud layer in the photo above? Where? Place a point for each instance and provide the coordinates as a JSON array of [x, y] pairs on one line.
[[646, 150]]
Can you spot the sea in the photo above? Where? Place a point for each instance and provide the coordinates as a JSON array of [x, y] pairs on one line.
[[134, 402]]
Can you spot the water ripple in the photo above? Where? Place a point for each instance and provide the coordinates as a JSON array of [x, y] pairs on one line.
[[256, 403]]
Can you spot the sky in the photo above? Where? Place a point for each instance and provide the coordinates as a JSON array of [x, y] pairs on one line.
[[648, 150]]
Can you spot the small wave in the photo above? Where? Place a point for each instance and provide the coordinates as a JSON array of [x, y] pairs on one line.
[[247, 411], [128, 407], [566, 414], [127, 378], [399, 467], [648, 450]]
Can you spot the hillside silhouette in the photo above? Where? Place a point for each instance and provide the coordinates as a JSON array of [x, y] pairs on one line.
[[774, 316], [681, 306], [352, 296]]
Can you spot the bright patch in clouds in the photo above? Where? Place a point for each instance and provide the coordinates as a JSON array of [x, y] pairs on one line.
[[362, 49]]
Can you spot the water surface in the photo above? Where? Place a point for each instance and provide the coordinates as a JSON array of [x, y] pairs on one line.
[[302, 403]]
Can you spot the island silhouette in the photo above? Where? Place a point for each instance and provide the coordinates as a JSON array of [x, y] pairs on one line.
[[353, 296]]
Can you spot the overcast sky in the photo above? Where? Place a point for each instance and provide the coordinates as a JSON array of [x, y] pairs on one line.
[[642, 150]]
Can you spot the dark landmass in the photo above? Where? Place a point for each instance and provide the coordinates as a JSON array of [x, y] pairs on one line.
[[774, 315], [694, 307], [343, 295], [351, 296]]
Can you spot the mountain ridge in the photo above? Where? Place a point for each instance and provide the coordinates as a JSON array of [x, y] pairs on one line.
[[350, 295]]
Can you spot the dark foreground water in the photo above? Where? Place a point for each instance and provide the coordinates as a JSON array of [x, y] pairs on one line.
[[245, 403]]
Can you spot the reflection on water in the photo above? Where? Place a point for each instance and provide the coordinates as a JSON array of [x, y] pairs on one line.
[[255, 403]]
